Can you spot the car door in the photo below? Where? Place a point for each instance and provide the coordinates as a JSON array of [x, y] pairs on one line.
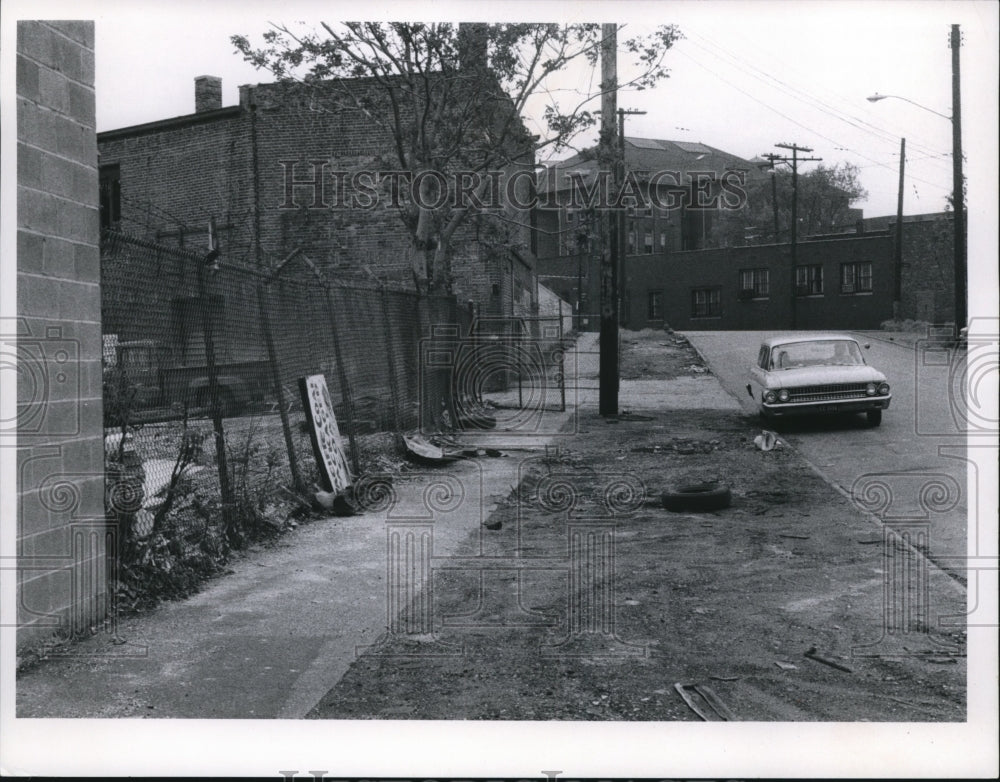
[[758, 369]]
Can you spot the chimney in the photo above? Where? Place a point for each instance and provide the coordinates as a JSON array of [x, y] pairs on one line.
[[207, 93]]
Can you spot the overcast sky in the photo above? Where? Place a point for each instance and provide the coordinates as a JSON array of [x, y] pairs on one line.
[[746, 76]]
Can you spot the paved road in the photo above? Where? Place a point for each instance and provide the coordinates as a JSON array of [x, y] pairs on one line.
[[918, 452]]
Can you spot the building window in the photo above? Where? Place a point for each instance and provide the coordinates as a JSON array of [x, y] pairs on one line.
[[570, 216], [706, 302], [755, 283], [654, 310], [856, 277], [110, 195], [631, 241], [809, 280], [647, 241], [663, 240]]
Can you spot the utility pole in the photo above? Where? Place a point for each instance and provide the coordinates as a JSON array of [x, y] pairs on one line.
[[795, 160], [608, 379], [958, 182], [897, 296], [622, 288], [771, 158]]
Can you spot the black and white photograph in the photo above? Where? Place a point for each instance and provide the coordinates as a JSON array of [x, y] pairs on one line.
[[478, 390]]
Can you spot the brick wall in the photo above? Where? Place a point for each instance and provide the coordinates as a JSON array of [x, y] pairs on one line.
[[928, 290], [61, 533], [677, 275], [175, 174]]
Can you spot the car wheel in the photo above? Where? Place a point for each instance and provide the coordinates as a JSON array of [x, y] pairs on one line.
[[874, 417], [698, 497]]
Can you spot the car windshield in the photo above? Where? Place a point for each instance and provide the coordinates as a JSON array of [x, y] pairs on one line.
[[815, 353]]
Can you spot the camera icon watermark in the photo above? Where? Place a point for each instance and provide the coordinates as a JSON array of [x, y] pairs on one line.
[[67, 560], [968, 371], [507, 376], [46, 368]]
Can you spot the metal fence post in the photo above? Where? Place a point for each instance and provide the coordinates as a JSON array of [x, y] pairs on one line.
[[272, 360], [345, 387], [213, 391], [390, 360], [562, 364]]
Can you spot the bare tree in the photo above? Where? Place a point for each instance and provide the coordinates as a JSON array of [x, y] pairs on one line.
[[453, 100]]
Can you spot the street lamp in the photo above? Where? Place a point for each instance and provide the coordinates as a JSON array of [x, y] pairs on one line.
[[958, 188], [876, 97]]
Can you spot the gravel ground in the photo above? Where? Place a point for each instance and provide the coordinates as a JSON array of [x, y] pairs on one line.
[[729, 601]]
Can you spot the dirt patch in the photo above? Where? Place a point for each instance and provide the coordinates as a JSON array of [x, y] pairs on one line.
[[732, 600], [653, 354]]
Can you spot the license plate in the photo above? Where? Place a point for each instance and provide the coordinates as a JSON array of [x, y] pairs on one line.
[[828, 409]]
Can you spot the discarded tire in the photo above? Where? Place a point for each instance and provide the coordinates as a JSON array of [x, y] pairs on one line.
[[698, 497]]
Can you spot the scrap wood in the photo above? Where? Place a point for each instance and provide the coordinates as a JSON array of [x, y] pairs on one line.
[[704, 702], [423, 451], [812, 655]]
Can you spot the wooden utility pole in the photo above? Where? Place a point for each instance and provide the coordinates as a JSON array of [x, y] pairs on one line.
[[897, 296], [958, 182], [795, 160], [608, 382]]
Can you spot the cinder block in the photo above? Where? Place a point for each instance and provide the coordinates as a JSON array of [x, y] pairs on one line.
[[30, 251], [87, 260], [35, 41], [80, 31], [78, 222], [53, 91], [80, 301], [82, 104], [60, 257], [27, 77], [29, 166]]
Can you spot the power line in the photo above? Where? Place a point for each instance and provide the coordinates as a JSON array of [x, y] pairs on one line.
[[803, 95], [754, 98]]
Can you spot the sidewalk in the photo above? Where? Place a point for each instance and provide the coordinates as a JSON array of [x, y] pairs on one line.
[[337, 621]]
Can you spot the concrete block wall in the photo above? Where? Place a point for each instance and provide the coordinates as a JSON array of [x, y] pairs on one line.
[[62, 545]]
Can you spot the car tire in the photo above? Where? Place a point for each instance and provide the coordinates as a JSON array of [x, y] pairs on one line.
[[697, 497], [874, 417]]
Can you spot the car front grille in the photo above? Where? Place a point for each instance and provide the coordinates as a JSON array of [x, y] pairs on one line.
[[830, 393]]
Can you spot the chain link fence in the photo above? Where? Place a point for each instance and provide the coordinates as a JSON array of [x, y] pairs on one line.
[[206, 443]]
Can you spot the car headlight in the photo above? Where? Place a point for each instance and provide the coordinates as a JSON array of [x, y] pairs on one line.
[[883, 389], [870, 389], [783, 395], [770, 397]]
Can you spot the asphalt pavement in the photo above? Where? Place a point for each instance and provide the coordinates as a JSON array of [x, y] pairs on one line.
[[912, 469]]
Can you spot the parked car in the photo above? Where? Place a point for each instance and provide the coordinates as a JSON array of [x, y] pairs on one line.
[[142, 376], [814, 374]]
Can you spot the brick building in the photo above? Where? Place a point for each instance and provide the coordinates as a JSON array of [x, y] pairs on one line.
[[841, 283], [682, 186], [928, 264], [282, 170], [61, 538]]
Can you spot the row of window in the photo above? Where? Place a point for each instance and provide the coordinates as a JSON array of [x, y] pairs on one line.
[[755, 283], [569, 243], [855, 277]]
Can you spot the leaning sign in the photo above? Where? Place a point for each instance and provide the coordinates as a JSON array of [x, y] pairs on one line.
[[326, 441]]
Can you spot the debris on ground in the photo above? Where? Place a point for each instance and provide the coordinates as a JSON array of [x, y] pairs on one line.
[[766, 441], [704, 702], [812, 654]]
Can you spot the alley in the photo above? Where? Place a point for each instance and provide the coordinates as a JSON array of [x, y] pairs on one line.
[[551, 584]]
